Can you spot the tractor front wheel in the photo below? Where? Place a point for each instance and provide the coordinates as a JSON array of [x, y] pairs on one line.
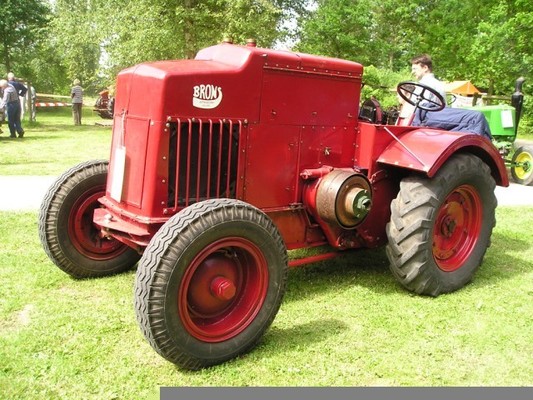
[[66, 229], [210, 282], [522, 165], [440, 228]]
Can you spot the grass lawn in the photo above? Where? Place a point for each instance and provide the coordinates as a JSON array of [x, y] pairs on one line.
[[53, 144], [344, 322]]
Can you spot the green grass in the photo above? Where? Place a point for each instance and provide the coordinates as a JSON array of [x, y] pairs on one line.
[[343, 322], [53, 143]]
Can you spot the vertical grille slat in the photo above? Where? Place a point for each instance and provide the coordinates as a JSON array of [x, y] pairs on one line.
[[174, 176], [219, 162], [199, 162], [209, 158], [203, 160], [229, 155], [187, 166]]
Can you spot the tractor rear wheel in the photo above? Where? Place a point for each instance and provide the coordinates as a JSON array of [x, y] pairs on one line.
[[522, 165], [66, 227], [210, 282], [440, 228]]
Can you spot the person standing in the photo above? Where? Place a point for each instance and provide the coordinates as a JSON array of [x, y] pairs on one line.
[[33, 98], [2, 111], [21, 91], [76, 93], [10, 100]]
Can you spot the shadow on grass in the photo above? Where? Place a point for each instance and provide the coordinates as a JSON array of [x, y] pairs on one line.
[[5, 139], [297, 336], [53, 132], [366, 268], [500, 263], [53, 129], [283, 341]]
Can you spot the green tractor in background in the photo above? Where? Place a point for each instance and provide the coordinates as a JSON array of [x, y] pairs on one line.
[[503, 120]]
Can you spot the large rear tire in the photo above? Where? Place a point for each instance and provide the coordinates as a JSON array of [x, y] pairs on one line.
[[440, 228], [66, 228], [210, 283]]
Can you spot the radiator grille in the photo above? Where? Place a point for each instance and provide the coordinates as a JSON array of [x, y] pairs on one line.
[[202, 161]]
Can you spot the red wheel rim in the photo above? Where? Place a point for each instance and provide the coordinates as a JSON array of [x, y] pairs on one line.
[[223, 289], [85, 235], [457, 228]]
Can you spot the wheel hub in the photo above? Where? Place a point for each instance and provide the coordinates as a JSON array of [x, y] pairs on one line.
[[213, 286], [223, 288], [86, 236], [457, 228], [448, 226]]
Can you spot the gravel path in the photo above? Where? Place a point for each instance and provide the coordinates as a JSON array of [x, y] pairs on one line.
[[27, 192]]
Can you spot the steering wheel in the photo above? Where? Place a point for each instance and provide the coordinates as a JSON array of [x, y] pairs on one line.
[[421, 96]]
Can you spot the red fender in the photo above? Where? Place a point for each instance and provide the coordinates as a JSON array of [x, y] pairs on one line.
[[426, 149]]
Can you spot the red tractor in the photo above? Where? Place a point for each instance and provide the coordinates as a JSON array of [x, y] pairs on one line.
[[104, 105], [221, 164]]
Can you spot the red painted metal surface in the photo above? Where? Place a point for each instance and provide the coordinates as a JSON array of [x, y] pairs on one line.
[[457, 228], [311, 259], [425, 149], [86, 236], [223, 289], [262, 126]]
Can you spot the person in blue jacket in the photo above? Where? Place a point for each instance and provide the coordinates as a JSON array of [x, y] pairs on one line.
[[10, 101]]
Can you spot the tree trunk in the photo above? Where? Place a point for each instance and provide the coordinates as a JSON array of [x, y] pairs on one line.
[[188, 30], [7, 59], [491, 87]]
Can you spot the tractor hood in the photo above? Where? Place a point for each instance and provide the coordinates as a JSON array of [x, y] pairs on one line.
[[222, 81]]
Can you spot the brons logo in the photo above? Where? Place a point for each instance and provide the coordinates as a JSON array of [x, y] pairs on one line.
[[206, 96]]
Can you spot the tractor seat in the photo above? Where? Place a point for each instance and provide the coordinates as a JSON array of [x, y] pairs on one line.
[[371, 111]]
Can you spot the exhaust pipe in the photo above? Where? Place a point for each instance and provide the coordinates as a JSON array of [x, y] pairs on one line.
[[517, 100]]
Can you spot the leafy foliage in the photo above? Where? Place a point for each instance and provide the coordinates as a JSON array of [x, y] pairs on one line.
[[76, 35], [20, 30], [170, 29], [339, 34], [381, 83], [504, 40], [485, 41]]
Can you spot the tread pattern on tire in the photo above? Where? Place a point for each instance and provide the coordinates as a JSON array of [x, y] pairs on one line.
[[410, 229], [152, 273], [49, 216]]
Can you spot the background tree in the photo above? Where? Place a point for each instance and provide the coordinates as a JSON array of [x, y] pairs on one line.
[[343, 34], [21, 22], [502, 49], [74, 38], [485, 41], [171, 29], [395, 24]]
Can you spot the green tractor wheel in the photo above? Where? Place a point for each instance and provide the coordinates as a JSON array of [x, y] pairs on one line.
[[522, 165]]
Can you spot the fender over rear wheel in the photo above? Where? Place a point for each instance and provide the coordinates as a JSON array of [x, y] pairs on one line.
[[210, 282], [66, 229], [440, 228]]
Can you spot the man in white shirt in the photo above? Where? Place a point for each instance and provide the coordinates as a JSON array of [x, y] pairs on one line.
[[422, 70]]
